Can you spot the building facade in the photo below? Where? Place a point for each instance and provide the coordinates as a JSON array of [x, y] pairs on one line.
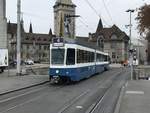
[[34, 46], [111, 40], [64, 23]]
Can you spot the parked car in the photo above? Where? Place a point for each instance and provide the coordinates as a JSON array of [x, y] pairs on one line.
[[37, 61], [29, 62], [13, 63]]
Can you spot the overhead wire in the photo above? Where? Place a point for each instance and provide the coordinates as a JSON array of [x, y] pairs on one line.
[[107, 11], [81, 20], [98, 14]]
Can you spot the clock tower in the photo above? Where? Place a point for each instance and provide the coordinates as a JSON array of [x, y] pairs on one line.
[[64, 22]]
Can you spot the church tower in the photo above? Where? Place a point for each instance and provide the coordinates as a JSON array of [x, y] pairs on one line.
[[3, 24], [64, 9]]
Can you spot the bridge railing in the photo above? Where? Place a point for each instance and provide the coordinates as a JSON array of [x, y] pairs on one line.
[[141, 72]]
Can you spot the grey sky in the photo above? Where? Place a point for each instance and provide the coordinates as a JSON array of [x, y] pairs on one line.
[[40, 13]]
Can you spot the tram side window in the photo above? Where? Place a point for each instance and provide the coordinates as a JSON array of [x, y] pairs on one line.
[[99, 57], [84, 56], [80, 56], [70, 60], [91, 56], [105, 58]]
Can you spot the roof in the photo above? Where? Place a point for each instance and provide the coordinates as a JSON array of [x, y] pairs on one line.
[[64, 2], [82, 38], [12, 28], [81, 42], [108, 32], [37, 38], [100, 25], [29, 37]]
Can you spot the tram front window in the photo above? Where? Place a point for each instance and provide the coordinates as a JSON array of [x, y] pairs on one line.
[[57, 56]]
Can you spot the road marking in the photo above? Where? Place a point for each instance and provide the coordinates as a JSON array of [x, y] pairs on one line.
[[79, 107], [126, 84], [135, 92]]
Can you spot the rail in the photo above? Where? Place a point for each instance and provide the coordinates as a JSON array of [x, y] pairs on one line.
[[142, 72]]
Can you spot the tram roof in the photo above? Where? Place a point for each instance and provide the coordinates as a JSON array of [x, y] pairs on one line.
[[81, 42]]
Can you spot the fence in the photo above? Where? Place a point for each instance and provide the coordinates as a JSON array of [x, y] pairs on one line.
[[141, 72]]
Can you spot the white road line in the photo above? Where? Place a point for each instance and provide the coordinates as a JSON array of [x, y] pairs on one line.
[[135, 92]]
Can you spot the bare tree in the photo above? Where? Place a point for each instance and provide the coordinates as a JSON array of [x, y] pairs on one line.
[[143, 19]]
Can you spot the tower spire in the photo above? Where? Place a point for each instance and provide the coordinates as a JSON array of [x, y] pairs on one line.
[[100, 25], [30, 28]]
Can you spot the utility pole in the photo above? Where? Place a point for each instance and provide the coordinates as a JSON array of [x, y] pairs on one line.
[[18, 37], [131, 53]]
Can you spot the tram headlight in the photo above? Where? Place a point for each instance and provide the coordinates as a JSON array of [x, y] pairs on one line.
[[57, 71]]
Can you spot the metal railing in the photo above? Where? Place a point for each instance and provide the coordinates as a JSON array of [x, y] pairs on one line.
[[141, 72]]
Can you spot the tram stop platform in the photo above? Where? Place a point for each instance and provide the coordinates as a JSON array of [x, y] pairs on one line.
[[135, 97]]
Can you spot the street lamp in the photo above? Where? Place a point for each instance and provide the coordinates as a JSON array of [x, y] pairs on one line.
[[18, 37], [131, 54], [130, 25]]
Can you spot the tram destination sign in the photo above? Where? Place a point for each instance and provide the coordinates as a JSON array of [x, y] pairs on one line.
[[58, 42]]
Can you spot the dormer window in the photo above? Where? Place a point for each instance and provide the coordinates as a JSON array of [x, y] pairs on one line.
[[45, 39], [113, 36], [27, 38], [39, 39]]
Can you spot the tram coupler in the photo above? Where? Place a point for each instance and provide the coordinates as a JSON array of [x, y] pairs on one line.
[[55, 79]]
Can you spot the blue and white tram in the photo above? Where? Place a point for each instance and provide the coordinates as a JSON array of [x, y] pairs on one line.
[[73, 62]]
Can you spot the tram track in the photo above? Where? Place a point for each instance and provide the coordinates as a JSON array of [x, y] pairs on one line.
[[101, 92], [78, 91], [100, 106], [37, 94], [27, 91]]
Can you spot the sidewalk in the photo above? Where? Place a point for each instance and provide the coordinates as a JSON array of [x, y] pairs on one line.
[[136, 97], [10, 83]]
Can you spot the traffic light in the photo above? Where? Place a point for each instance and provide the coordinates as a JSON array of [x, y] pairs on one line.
[[134, 54]]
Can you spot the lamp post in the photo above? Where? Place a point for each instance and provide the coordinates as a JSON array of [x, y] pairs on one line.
[[131, 53], [18, 37]]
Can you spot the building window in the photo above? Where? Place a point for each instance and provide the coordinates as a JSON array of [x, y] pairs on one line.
[[45, 47], [100, 41], [27, 46], [113, 55], [113, 45], [45, 39], [40, 47]]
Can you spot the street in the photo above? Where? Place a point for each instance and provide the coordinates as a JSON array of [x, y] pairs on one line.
[[91, 95]]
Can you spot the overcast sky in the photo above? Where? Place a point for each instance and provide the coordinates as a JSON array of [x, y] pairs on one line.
[[40, 14]]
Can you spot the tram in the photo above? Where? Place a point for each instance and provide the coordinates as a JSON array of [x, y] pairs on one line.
[[74, 61]]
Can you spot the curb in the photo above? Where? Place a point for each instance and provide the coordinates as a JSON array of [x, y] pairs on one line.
[[117, 108], [19, 89]]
